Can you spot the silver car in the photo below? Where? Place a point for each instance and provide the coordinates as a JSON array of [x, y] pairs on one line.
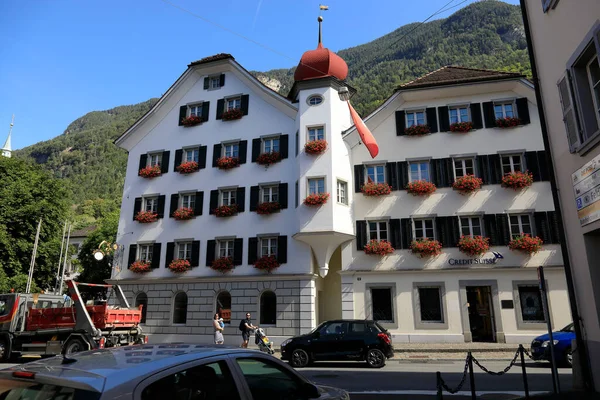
[[158, 372]]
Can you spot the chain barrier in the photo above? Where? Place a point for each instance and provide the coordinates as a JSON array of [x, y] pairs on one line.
[[505, 370], [527, 354], [443, 384]]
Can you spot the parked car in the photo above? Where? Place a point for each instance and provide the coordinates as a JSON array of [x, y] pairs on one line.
[[360, 340], [540, 349], [158, 372]]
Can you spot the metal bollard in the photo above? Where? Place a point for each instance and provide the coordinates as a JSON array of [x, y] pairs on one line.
[[438, 377], [471, 376], [525, 384]]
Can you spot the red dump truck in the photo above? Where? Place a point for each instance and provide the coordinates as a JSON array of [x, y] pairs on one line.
[[47, 325]]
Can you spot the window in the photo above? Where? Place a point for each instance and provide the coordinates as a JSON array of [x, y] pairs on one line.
[[297, 143], [470, 226], [215, 82], [225, 248], [415, 118], [504, 109], [314, 100], [195, 110], [430, 304], [268, 246], [142, 300], [269, 194], [334, 328], [548, 4], [145, 252], [511, 163], [520, 225], [297, 193], [150, 204], [376, 173], [316, 133], [180, 308], [459, 114], [419, 171], [233, 103], [231, 150], [593, 70], [378, 230], [342, 190], [224, 306], [187, 200], [184, 250], [423, 229], [381, 300], [358, 327], [270, 145], [463, 166], [267, 380], [154, 159], [228, 197], [268, 308], [316, 185], [190, 154], [531, 303]]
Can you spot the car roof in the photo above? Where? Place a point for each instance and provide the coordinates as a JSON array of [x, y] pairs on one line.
[[351, 320]]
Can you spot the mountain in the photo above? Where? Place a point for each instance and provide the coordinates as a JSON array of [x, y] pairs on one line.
[[487, 34]]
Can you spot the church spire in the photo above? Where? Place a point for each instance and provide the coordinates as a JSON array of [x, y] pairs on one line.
[[7, 148]]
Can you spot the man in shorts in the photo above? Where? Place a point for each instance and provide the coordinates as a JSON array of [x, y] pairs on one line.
[[248, 327]]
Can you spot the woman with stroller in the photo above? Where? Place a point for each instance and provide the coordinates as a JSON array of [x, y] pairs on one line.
[[219, 326]]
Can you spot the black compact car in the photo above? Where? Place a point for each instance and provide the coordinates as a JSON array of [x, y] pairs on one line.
[[360, 340]]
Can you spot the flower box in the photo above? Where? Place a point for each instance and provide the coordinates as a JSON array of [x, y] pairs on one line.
[[184, 213], [192, 120], [223, 264], [187, 167], [179, 265], [376, 189], [230, 115], [517, 180], [146, 217], [420, 188], [268, 158], [379, 247], [426, 247], [417, 130], [267, 263], [474, 246], [315, 146], [316, 199], [228, 162], [526, 244], [150, 171], [461, 127], [508, 122], [140, 267], [226, 211], [268, 208], [467, 184]]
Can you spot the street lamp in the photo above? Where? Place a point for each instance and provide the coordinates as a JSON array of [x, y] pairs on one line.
[[104, 249], [344, 93]]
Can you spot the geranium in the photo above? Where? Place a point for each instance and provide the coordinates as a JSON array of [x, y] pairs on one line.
[[379, 247], [517, 180], [179, 265], [526, 244], [473, 246], [146, 217], [191, 121], [226, 211], [467, 183], [234, 113], [376, 189], [508, 122], [268, 207], [417, 130], [223, 264], [150, 171], [183, 213], [268, 158], [462, 127], [316, 199], [187, 167], [228, 162], [420, 188], [315, 146], [140, 267], [266, 263], [426, 247]]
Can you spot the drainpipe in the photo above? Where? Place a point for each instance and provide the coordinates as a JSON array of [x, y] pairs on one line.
[[584, 360]]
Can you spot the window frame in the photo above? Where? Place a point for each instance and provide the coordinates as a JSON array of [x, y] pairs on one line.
[[414, 121], [267, 361], [153, 201], [419, 172], [593, 88], [145, 252], [375, 173], [463, 166], [272, 243], [503, 104], [458, 107], [316, 178], [233, 145], [197, 107], [549, 4], [260, 308], [271, 139], [470, 227], [393, 298], [195, 151], [520, 223], [212, 80], [317, 136], [419, 322], [511, 164], [218, 303], [342, 192], [231, 195], [521, 323], [235, 99], [272, 192], [187, 249], [191, 200], [378, 229], [424, 228], [151, 162], [187, 303], [315, 96], [137, 303], [229, 245]]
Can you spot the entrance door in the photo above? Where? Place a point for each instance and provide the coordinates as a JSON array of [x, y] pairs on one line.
[[481, 316]]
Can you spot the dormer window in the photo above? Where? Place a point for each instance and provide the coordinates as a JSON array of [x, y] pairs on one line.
[[233, 103], [415, 117]]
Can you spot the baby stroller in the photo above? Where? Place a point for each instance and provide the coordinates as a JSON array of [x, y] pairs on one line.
[[263, 342]]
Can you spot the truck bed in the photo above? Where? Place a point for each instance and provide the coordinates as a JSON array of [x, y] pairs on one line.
[[103, 317]]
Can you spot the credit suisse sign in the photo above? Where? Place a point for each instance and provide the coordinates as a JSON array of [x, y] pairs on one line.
[[586, 185]]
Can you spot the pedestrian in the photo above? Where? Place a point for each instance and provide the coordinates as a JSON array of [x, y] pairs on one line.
[[246, 327], [219, 328]]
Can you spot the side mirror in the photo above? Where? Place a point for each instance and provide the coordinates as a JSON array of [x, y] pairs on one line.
[[310, 391]]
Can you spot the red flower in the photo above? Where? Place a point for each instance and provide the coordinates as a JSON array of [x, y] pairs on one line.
[[526, 244], [187, 167], [417, 130], [268, 158], [150, 172], [315, 146], [140, 267], [266, 263], [473, 246], [228, 162], [146, 217], [420, 188], [268, 208], [234, 113], [179, 265], [508, 122], [223, 264], [191, 121], [376, 189], [462, 127], [183, 213], [379, 247], [426, 247], [517, 180], [467, 183], [226, 211], [316, 199]]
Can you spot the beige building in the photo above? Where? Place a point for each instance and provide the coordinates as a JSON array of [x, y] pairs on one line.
[[564, 41]]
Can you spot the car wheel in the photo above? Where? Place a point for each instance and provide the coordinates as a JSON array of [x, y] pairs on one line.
[[569, 358], [299, 358], [4, 350], [375, 358], [74, 346]]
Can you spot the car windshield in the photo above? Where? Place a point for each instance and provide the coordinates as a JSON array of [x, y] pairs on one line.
[[568, 328], [17, 390], [6, 303]]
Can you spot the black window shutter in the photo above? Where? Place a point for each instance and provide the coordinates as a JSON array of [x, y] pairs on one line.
[[243, 151], [195, 261], [137, 206], [282, 249], [170, 253], [253, 250], [523, 110], [448, 171], [361, 234], [483, 168], [554, 227], [444, 119], [210, 252], [238, 251], [205, 110], [222, 80], [202, 157], [155, 256], [359, 177], [531, 162], [454, 231], [160, 209], [132, 254], [433, 172], [283, 195], [503, 229], [164, 163], [395, 233], [245, 103], [400, 123], [432, 119], [254, 194], [284, 146], [199, 203], [174, 204], [214, 201], [220, 108], [442, 234], [488, 114], [216, 154], [402, 175], [476, 116], [406, 227], [256, 149], [240, 199], [392, 175], [206, 83], [543, 164], [495, 169], [178, 158], [438, 174], [143, 161], [182, 114], [491, 229], [542, 226]]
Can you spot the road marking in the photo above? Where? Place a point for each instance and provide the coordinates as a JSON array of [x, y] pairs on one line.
[[433, 392]]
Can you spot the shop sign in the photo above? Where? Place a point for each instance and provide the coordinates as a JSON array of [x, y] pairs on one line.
[[586, 185], [476, 261]]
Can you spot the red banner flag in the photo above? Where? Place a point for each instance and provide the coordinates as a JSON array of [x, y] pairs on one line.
[[365, 134]]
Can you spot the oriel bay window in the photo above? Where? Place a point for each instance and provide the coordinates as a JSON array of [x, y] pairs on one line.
[[316, 133], [378, 230], [416, 117], [423, 229], [375, 173], [470, 226], [419, 170], [464, 166], [520, 225], [511, 163]]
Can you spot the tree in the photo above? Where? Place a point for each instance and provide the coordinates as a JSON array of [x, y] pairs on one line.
[[95, 271]]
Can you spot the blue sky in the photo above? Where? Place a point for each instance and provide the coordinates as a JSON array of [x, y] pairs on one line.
[[64, 58]]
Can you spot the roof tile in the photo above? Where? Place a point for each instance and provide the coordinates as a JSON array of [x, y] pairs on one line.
[[450, 75]]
